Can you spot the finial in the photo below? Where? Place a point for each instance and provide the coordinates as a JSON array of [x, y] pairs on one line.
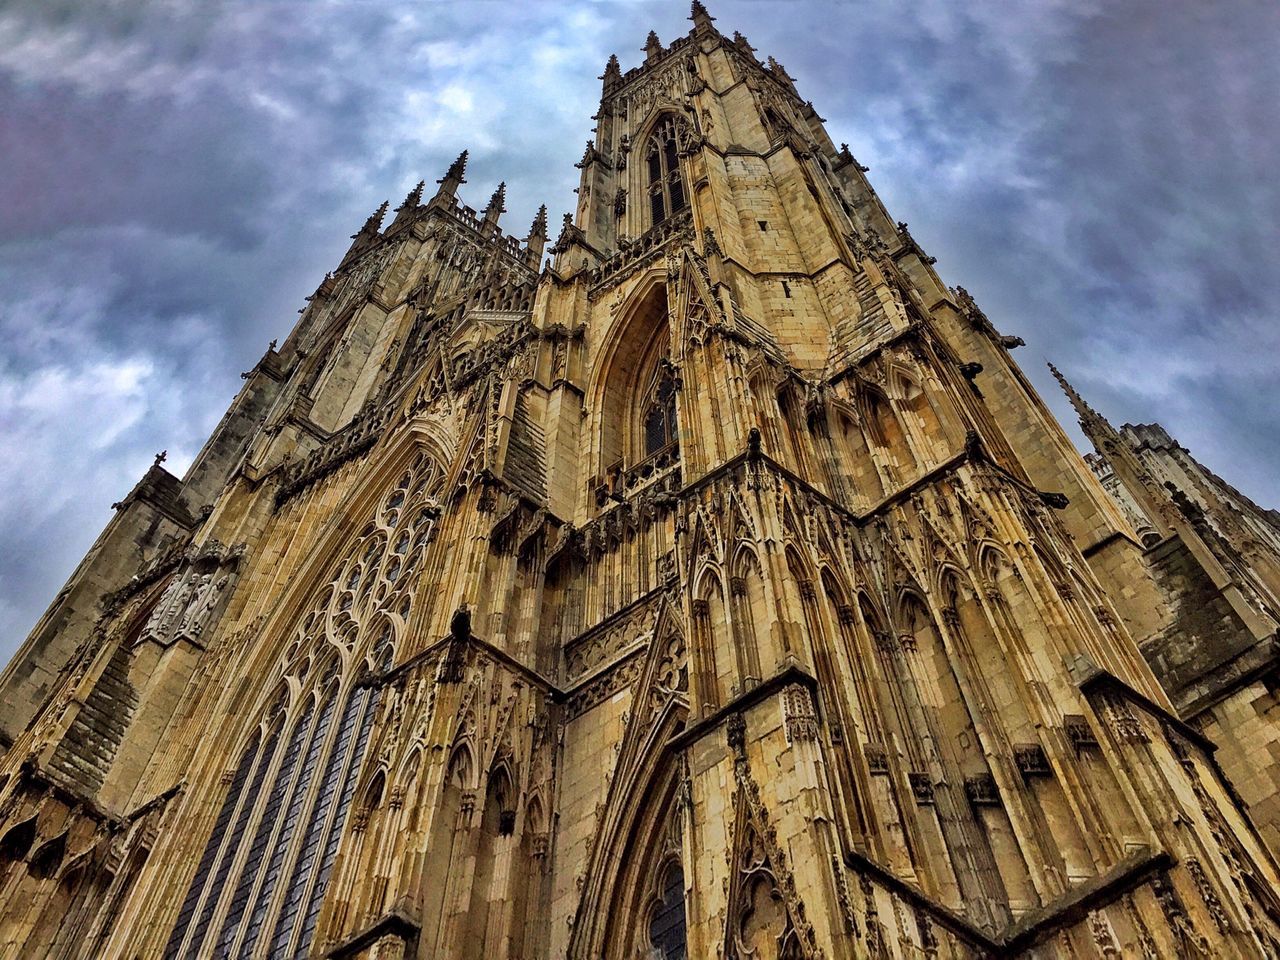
[[652, 45], [536, 242], [700, 16], [413, 199], [161, 457], [612, 69], [456, 169], [1085, 412], [374, 223], [497, 202], [539, 228]]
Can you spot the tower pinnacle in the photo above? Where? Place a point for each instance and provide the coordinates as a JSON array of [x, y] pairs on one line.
[[612, 73], [374, 223], [1128, 468], [1091, 422], [453, 177], [700, 17], [457, 169], [539, 227], [412, 200], [536, 242], [497, 204], [652, 45]]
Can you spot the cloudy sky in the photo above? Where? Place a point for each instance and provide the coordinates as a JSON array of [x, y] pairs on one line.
[[175, 176]]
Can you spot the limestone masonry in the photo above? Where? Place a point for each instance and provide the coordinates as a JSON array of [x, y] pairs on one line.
[[718, 587]]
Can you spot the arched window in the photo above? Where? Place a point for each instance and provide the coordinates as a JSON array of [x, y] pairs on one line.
[[659, 406], [666, 188], [667, 933], [281, 822]]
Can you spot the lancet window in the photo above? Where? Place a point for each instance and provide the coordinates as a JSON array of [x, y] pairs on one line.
[[667, 933], [667, 195], [659, 407], [260, 881]]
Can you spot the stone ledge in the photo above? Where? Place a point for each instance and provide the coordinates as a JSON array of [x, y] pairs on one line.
[[395, 923], [1071, 907], [792, 673]]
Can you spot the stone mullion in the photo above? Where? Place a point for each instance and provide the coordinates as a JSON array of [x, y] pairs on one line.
[[947, 410], [466, 844], [1074, 780], [706, 699], [690, 432], [514, 593], [992, 735], [530, 632], [882, 459], [912, 435], [748, 640], [723, 402], [432, 776], [1025, 819]]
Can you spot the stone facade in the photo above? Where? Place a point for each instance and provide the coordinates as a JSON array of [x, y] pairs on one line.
[[717, 588]]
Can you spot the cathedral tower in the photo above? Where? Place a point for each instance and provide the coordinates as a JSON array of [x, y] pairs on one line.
[[717, 587]]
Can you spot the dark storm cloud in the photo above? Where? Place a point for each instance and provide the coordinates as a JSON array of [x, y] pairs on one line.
[[176, 176]]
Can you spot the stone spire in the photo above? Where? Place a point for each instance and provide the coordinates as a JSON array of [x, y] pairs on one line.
[[411, 201], [497, 204], [652, 46], [536, 242], [701, 18], [365, 237], [612, 75], [374, 223], [453, 177], [1126, 465], [1091, 421]]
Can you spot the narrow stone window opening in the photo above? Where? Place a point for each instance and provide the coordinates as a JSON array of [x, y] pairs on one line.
[[662, 159]]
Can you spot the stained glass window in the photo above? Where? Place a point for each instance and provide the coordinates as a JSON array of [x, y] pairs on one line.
[[281, 820]]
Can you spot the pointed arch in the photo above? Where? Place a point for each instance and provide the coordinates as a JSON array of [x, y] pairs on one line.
[[884, 431], [710, 624], [637, 835], [751, 620], [633, 386], [868, 487], [917, 402], [664, 185]]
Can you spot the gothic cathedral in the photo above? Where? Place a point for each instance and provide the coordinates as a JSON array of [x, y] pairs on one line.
[[710, 585]]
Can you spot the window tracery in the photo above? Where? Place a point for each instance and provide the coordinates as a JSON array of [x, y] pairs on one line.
[[667, 195], [303, 759], [658, 424], [667, 926]]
